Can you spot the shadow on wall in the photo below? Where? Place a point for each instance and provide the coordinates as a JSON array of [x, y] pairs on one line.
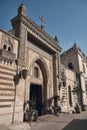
[[76, 125]]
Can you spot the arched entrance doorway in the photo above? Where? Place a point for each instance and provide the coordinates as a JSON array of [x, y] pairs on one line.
[[36, 95], [38, 85]]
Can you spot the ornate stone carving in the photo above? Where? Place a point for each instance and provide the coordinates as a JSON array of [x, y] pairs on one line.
[[8, 56], [7, 40]]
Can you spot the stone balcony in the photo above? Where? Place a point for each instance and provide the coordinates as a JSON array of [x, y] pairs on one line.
[[7, 55]]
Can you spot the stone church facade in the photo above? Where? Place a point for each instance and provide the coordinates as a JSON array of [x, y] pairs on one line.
[[30, 67]]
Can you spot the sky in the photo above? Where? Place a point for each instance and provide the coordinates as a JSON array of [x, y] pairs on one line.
[[66, 19]]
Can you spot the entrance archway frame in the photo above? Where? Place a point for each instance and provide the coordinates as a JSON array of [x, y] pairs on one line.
[[45, 73]]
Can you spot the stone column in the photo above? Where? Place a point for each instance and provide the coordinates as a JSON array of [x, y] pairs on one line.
[[56, 67]]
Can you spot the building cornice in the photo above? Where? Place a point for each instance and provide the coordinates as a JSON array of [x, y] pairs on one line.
[[31, 25]]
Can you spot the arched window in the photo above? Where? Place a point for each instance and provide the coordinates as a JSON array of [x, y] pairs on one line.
[[4, 47], [36, 72], [9, 48], [70, 65]]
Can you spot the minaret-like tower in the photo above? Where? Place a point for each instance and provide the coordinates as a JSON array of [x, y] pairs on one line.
[[20, 31]]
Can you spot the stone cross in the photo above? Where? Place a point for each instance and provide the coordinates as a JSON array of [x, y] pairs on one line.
[[42, 20]]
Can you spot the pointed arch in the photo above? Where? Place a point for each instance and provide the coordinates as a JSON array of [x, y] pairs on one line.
[[45, 76], [43, 66]]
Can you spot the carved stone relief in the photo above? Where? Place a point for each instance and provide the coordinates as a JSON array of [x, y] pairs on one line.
[[8, 41]]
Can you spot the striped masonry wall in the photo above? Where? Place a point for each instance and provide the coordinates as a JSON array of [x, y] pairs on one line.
[[7, 91]]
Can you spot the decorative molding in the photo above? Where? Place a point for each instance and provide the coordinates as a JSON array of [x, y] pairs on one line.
[[8, 40], [7, 55], [34, 29]]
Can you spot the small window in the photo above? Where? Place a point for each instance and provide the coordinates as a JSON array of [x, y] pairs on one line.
[[36, 72], [9, 48], [28, 37], [4, 47], [70, 65]]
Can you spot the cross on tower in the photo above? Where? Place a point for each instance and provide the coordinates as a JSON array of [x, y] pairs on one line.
[[42, 20]]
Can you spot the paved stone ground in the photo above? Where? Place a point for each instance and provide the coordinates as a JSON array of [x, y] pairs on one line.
[[50, 122], [63, 122], [17, 126]]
